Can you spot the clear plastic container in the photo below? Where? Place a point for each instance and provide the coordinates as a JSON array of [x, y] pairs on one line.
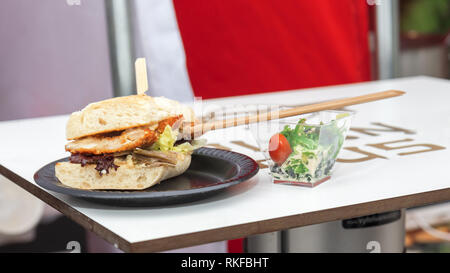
[[315, 141]]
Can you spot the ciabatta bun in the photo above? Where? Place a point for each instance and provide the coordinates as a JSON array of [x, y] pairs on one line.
[[129, 176], [122, 113]]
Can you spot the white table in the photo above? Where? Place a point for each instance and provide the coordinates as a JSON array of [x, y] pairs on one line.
[[391, 179]]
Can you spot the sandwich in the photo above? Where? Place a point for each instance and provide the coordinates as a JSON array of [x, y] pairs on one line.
[[126, 143]]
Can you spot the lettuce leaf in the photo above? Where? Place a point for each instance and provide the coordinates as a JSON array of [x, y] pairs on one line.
[[166, 142], [302, 135]]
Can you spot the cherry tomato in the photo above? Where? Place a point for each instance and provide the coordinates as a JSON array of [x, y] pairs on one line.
[[279, 148]]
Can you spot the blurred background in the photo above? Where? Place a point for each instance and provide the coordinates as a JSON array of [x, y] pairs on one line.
[[424, 38], [59, 55]]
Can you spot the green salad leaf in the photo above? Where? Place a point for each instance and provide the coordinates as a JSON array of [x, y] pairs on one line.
[[166, 142], [302, 134], [297, 166]]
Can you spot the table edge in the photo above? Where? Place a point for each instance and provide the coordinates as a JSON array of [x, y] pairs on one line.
[[230, 232], [291, 221]]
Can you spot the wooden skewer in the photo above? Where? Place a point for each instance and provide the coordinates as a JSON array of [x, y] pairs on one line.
[[202, 128], [140, 68]]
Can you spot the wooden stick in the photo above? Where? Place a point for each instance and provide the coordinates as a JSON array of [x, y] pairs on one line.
[[141, 75], [200, 129]]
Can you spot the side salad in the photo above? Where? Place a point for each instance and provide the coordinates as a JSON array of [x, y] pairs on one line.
[[306, 153]]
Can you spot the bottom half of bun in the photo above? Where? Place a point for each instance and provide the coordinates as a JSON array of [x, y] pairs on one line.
[[129, 175]]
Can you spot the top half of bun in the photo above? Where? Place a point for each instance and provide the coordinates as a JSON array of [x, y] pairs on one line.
[[121, 113]]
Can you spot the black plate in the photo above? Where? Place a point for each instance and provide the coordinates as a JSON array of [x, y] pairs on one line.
[[211, 171]]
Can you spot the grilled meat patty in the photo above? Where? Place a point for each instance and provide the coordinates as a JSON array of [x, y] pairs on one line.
[[120, 141]]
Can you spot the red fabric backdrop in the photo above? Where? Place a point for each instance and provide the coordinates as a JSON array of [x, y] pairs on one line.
[[236, 47]]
